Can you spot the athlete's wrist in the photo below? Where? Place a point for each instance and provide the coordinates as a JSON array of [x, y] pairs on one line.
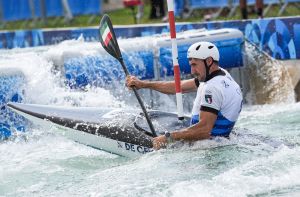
[[169, 138], [145, 84]]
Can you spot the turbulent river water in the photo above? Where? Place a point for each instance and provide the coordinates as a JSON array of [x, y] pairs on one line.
[[262, 159]]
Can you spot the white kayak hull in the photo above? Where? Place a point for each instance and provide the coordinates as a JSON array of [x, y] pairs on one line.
[[115, 131]]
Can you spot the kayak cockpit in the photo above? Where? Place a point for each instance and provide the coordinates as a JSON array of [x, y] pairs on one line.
[[162, 122]]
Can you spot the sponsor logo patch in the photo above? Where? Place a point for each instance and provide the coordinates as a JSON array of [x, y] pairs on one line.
[[226, 85], [208, 98]]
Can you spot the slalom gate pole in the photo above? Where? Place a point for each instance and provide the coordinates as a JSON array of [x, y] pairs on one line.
[[175, 59]]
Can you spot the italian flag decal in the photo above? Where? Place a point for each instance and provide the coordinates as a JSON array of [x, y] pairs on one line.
[[106, 34]]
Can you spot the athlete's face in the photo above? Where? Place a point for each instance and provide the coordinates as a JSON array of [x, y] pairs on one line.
[[198, 68]]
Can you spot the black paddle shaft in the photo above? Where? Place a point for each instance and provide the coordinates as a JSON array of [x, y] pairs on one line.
[[140, 101], [112, 47]]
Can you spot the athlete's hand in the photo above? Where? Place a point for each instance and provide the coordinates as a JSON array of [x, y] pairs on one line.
[[159, 142], [132, 81]]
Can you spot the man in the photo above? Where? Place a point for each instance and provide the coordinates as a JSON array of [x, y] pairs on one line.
[[218, 101]]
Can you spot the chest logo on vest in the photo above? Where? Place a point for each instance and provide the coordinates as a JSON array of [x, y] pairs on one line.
[[208, 98]]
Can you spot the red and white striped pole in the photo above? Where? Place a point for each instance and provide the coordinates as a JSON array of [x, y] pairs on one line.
[[175, 59]]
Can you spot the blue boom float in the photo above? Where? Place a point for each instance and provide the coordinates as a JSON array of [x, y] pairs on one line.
[[151, 58], [11, 89]]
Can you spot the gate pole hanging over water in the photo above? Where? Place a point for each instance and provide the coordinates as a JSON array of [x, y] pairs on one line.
[[175, 59]]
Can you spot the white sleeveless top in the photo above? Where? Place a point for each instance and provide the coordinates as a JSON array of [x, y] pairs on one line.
[[221, 95]]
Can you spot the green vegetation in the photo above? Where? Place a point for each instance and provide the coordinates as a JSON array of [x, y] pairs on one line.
[[125, 17]]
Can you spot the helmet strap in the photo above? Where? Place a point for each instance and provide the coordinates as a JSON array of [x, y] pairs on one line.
[[207, 68]]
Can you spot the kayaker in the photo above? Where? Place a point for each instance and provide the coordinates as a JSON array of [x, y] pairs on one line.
[[218, 102]]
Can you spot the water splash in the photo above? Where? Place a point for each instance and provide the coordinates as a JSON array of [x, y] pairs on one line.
[[269, 79]]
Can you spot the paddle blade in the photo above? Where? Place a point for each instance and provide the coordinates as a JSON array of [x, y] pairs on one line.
[[108, 38]]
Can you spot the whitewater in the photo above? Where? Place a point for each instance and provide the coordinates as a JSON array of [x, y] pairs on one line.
[[262, 159]]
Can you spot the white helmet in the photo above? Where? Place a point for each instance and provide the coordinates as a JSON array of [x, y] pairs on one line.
[[203, 50]]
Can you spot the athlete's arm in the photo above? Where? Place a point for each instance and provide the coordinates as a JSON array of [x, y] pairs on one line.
[[199, 131], [166, 87], [188, 85]]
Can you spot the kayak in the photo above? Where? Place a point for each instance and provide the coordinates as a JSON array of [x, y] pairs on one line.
[[118, 131]]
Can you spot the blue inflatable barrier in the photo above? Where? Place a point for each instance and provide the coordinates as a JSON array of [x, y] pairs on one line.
[[21, 39], [228, 48], [101, 71], [88, 34], [4, 131], [151, 60], [11, 83]]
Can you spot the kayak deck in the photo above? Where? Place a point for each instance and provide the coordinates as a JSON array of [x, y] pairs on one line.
[[104, 128]]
